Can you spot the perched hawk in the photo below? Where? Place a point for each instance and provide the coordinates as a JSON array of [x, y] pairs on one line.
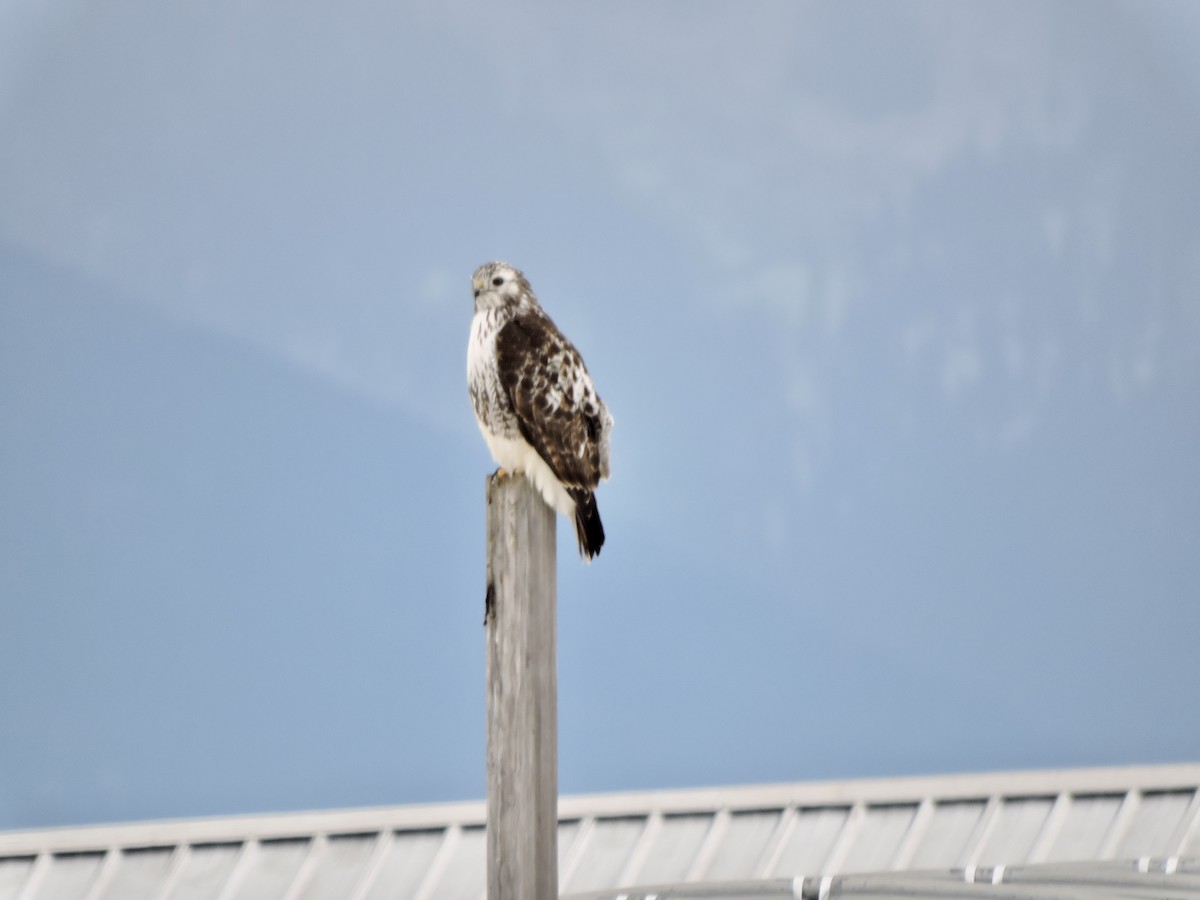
[[534, 400]]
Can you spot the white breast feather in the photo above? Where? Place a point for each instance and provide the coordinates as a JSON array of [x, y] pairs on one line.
[[511, 452]]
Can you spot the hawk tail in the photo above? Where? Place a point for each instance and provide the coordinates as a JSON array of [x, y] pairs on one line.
[[588, 530]]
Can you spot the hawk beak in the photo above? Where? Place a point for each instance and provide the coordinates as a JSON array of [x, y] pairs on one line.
[[477, 284]]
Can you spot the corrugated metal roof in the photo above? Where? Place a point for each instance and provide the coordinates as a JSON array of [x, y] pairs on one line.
[[1161, 879], [765, 838]]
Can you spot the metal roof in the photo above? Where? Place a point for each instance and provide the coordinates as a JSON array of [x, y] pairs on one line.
[[934, 836], [1150, 878]]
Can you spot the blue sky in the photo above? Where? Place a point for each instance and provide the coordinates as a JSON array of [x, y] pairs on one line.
[[897, 308]]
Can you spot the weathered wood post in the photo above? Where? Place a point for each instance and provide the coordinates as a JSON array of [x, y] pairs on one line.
[[522, 694]]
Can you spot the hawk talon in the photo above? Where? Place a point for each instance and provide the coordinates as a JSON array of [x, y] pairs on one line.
[[501, 473]]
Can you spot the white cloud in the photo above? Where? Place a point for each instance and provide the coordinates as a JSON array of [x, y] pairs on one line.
[[193, 163], [793, 162], [799, 152]]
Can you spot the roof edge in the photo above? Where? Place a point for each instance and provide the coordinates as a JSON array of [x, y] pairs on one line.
[[473, 813]]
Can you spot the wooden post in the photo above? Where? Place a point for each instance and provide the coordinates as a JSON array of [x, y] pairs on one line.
[[522, 694]]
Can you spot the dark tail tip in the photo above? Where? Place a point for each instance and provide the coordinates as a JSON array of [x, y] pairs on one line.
[[588, 530]]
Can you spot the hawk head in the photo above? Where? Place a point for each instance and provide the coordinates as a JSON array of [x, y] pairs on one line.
[[498, 284]]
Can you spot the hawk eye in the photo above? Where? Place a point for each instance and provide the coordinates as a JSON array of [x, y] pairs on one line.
[[497, 281]]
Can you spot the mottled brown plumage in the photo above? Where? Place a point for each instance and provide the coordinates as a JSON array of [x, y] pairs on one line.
[[564, 433]]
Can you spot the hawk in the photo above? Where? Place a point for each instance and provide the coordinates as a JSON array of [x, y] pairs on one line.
[[535, 402]]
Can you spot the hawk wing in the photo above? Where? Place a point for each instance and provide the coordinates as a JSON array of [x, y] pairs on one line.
[[557, 408]]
